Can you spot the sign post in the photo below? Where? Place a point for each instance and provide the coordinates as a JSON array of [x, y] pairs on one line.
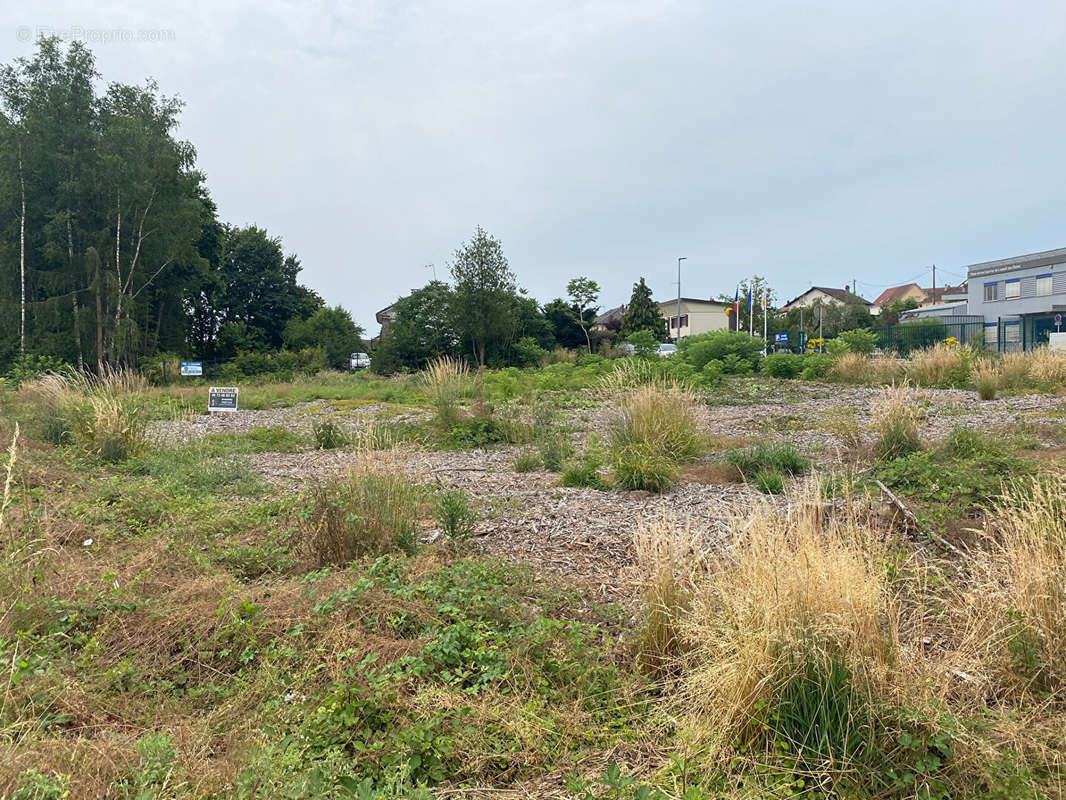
[[222, 398], [1058, 323], [192, 368]]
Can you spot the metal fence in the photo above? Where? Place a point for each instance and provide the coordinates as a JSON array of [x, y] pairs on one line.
[[909, 336]]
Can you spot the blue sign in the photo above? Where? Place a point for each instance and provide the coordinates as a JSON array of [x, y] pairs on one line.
[[781, 338], [192, 367]]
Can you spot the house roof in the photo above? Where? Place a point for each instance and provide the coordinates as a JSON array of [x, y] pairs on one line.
[[894, 293], [938, 293], [843, 295], [611, 315], [692, 300]]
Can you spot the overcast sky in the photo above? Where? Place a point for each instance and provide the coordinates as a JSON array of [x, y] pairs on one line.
[[813, 143]]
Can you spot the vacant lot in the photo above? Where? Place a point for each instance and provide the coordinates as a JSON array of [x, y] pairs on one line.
[[438, 587]]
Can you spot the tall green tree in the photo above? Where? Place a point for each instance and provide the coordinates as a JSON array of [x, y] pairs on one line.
[[332, 329], [584, 292], [563, 318], [485, 295], [259, 287], [643, 314], [423, 328]]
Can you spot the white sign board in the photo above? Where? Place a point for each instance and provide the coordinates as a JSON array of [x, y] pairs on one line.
[[222, 398], [1056, 341], [192, 368]]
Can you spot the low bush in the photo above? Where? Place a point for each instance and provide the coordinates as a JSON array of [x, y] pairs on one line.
[[367, 514], [739, 353], [454, 515], [782, 365], [816, 366], [861, 340]]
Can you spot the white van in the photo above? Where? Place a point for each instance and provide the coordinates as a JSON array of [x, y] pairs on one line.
[[359, 361]]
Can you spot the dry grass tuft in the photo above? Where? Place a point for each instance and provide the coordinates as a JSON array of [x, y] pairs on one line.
[[655, 432], [794, 631], [1015, 605], [369, 513], [859, 368], [1047, 368], [896, 418], [940, 365], [986, 378], [447, 381], [667, 558]]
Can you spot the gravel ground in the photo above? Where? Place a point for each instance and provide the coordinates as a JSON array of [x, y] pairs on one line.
[[584, 535]]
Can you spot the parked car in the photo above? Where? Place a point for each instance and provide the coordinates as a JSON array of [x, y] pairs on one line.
[[359, 361], [667, 350]]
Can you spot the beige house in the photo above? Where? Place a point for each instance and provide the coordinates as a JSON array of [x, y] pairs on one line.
[[697, 316], [824, 294]]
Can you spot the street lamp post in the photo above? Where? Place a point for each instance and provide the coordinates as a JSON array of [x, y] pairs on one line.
[[682, 258]]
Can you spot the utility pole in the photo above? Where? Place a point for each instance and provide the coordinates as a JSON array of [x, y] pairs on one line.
[[934, 283], [751, 308], [820, 310], [434, 268], [802, 333], [679, 260]]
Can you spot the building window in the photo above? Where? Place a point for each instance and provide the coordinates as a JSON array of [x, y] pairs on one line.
[[1043, 285], [1012, 332], [684, 320], [992, 335], [1012, 289], [990, 292]]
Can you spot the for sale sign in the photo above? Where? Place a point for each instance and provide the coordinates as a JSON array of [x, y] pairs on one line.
[[192, 368], [222, 398]]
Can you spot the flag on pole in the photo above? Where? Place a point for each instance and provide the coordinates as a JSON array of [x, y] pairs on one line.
[[736, 309], [751, 316]]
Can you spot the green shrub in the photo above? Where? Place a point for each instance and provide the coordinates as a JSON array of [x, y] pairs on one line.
[[861, 340], [32, 366], [711, 373], [738, 352], [454, 515], [782, 365], [527, 353], [816, 366], [329, 436], [367, 514], [645, 344], [33, 785], [896, 418], [476, 432]]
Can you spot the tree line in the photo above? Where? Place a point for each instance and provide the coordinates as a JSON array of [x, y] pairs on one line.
[[484, 317], [117, 247]]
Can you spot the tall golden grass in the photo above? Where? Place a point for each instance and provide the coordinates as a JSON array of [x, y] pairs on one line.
[[896, 418], [793, 597], [632, 373], [1014, 606], [940, 365], [105, 415], [985, 377], [655, 432], [447, 382], [860, 368]]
